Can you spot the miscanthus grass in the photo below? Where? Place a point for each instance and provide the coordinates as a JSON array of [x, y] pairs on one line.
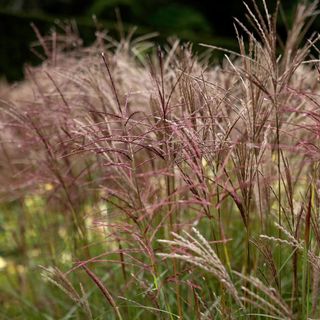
[[146, 183]]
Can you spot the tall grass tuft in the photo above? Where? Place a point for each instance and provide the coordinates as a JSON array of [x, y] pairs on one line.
[[160, 186]]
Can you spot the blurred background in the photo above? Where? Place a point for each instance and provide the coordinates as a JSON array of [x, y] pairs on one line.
[[199, 21]]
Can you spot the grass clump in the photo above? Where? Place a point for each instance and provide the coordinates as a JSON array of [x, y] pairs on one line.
[[160, 186]]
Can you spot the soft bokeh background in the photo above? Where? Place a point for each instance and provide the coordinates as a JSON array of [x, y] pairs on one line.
[[206, 21]]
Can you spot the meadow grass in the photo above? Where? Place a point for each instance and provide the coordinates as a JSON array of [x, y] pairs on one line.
[[144, 183]]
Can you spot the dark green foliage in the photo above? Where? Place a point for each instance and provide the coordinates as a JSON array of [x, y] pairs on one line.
[[202, 21], [176, 16]]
